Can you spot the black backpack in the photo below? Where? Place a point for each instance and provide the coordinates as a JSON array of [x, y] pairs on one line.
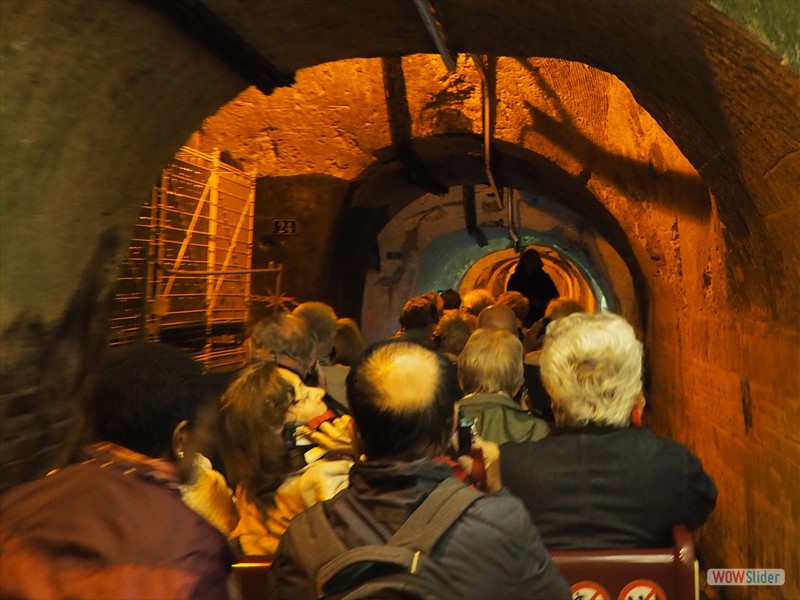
[[399, 569]]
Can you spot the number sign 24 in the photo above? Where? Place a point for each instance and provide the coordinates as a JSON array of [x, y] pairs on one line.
[[284, 227]]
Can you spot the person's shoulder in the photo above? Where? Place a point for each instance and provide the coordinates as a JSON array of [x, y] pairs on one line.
[[67, 486], [650, 445], [321, 480], [324, 468], [488, 400], [501, 511], [522, 450], [645, 435]]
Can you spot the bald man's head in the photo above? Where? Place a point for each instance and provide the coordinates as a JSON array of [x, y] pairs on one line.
[[402, 398], [498, 316]]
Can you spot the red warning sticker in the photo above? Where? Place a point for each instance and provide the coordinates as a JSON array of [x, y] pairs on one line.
[[589, 590], [642, 589]]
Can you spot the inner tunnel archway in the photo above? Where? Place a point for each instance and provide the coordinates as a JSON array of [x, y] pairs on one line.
[[426, 247]]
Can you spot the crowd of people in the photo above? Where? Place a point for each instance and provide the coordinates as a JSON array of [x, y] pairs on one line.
[[177, 474]]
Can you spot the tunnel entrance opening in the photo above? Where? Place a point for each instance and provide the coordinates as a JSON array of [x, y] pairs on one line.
[[493, 271], [426, 246]]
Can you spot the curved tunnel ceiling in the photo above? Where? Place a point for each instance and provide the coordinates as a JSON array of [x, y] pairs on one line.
[[692, 90], [697, 72], [592, 150]]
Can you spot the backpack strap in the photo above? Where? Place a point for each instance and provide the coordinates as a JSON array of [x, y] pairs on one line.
[[358, 563], [417, 535], [435, 516]]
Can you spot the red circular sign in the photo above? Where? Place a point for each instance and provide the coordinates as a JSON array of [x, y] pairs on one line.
[[589, 590], [642, 589]]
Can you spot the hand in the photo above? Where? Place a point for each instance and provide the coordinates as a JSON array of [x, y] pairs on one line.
[[491, 463], [335, 436]]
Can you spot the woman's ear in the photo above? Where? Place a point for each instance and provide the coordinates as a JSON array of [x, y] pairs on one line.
[[179, 439], [638, 409]]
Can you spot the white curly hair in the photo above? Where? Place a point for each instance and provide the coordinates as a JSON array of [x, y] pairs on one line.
[[591, 365]]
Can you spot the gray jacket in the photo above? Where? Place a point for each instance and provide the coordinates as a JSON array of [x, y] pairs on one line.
[[492, 551]]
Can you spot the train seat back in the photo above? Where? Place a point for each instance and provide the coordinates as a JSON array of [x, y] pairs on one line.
[[653, 573]]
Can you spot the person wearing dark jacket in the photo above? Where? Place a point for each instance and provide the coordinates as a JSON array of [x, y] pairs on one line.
[[532, 282], [402, 397], [596, 482], [112, 524]]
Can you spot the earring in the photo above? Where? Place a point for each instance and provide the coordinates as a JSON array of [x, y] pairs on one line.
[[179, 454]]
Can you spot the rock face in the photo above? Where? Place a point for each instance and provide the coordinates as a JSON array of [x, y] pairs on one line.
[[668, 128]]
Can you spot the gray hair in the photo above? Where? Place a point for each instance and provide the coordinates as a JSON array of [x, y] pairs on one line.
[[476, 300], [322, 320], [284, 335], [454, 330], [491, 363], [591, 366]]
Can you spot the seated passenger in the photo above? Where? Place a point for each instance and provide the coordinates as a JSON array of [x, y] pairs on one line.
[[503, 318], [322, 321], [557, 308], [278, 466], [437, 305], [451, 300], [347, 346], [402, 396], [416, 322], [516, 302], [474, 301], [499, 316], [453, 331], [596, 482], [112, 525], [490, 373], [534, 338], [291, 342]]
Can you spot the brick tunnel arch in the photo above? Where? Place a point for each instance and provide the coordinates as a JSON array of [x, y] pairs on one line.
[[97, 97]]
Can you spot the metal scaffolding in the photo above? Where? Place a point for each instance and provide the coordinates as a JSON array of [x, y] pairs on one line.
[[187, 278]]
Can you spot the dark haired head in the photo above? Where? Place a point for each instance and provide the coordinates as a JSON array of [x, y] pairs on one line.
[[416, 314], [530, 260], [437, 305], [140, 393], [451, 299], [402, 397]]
